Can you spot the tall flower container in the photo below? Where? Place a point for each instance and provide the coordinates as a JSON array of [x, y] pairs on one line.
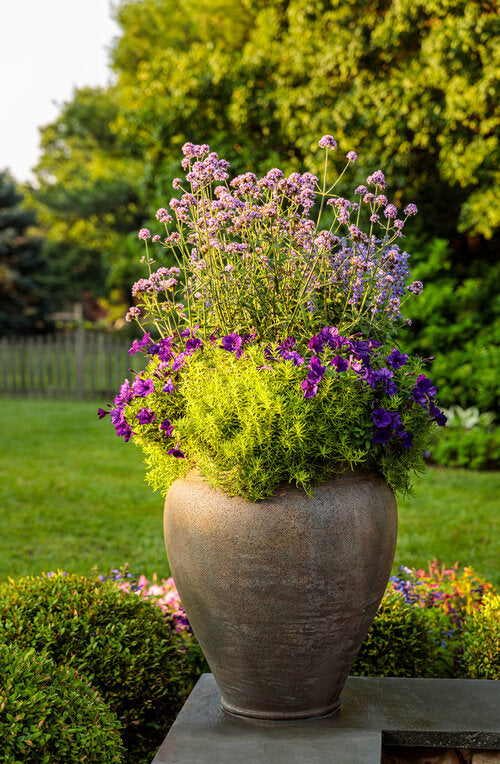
[[279, 416]]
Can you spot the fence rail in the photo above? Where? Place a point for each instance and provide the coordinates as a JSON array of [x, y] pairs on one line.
[[78, 365]]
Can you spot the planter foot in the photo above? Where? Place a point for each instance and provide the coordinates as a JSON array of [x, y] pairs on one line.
[[277, 716]]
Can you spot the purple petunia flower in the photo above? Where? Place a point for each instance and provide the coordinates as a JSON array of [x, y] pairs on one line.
[[310, 388], [438, 415], [143, 387], [423, 390], [145, 416], [167, 427], [382, 418], [101, 413], [292, 355], [232, 343], [317, 370], [193, 344], [340, 363], [406, 439], [176, 452], [396, 359], [382, 435], [120, 424], [169, 386], [316, 344]]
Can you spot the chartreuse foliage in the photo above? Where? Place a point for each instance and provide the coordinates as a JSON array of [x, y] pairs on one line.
[[50, 714], [122, 644], [248, 427], [481, 640]]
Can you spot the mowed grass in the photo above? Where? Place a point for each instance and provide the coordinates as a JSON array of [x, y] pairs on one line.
[[73, 496]]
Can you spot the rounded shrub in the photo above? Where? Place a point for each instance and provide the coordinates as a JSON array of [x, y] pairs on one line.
[[50, 714], [404, 641], [481, 640], [120, 642]]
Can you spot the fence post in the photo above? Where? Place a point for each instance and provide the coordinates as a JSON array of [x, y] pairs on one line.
[[80, 363]]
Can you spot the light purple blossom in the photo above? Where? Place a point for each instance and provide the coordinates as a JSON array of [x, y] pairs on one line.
[[327, 142], [144, 234]]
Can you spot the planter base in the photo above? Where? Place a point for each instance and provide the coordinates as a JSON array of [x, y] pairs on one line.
[[281, 716], [433, 713]]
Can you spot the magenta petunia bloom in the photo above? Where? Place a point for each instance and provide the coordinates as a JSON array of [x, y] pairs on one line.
[[176, 452], [145, 416], [143, 387], [169, 386], [167, 427]]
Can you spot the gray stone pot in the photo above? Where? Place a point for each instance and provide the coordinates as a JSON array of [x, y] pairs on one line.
[[281, 593]]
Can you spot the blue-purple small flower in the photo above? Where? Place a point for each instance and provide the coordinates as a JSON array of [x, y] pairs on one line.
[[396, 359], [382, 418]]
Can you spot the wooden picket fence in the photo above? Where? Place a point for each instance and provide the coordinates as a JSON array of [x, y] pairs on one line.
[[80, 365]]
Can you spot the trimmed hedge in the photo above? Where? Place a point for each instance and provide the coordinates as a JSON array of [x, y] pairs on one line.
[[50, 714], [121, 643], [404, 640]]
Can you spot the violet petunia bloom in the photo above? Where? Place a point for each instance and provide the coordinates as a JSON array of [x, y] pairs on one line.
[[316, 344], [292, 355], [340, 363], [102, 413], [438, 415], [382, 435], [143, 387], [145, 416], [135, 348], [310, 389], [317, 370], [167, 427], [120, 424], [396, 359], [423, 390], [232, 343], [125, 394], [287, 344], [406, 439], [169, 386], [179, 361], [193, 344], [176, 452], [382, 418]]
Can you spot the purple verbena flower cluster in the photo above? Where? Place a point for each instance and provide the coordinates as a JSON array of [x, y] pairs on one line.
[[251, 254]]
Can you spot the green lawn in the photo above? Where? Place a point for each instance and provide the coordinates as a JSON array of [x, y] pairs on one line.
[[72, 496]]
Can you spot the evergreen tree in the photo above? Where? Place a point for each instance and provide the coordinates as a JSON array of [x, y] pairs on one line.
[[23, 299]]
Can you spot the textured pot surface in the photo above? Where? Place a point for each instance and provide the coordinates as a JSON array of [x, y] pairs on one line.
[[281, 593]]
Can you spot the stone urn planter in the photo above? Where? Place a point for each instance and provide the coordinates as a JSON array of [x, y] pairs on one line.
[[281, 593]]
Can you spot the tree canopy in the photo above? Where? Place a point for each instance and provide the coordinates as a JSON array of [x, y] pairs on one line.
[[408, 84]]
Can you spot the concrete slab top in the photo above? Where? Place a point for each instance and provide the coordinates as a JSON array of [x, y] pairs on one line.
[[408, 712]]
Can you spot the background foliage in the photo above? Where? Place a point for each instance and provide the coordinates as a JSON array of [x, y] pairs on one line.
[[408, 84]]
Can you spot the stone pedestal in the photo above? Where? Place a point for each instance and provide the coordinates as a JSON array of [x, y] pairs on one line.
[[439, 713]]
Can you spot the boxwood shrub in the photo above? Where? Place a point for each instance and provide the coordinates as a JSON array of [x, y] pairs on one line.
[[50, 714], [120, 642], [404, 640]]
